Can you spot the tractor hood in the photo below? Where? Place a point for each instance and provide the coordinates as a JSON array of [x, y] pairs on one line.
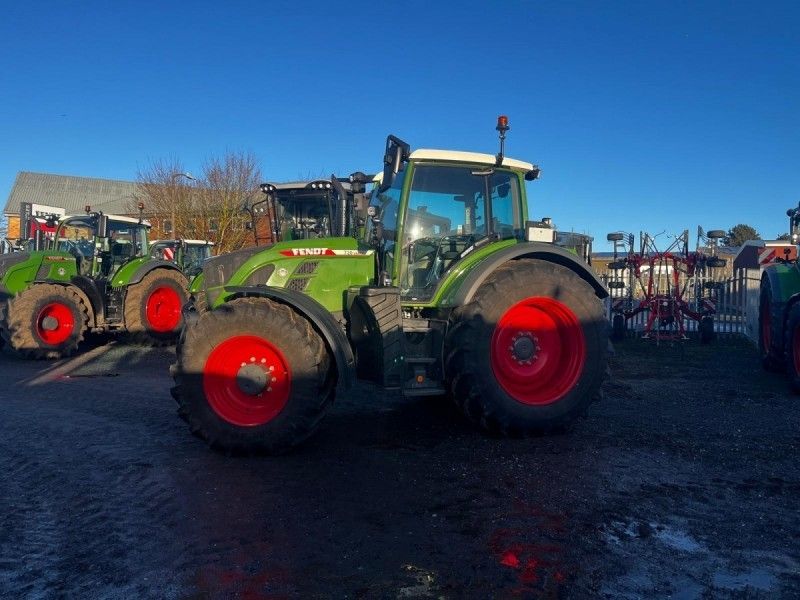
[[218, 269], [9, 260]]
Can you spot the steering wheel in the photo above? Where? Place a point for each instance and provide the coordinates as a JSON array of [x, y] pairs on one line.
[[439, 258]]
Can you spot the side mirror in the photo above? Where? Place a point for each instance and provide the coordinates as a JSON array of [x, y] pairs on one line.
[[533, 174], [102, 226], [396, 152]]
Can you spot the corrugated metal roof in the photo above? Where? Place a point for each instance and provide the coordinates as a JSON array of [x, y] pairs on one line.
[[71, 193]]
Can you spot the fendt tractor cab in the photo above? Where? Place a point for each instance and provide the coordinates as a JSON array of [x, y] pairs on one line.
[[779, 310], [433, 286], [304, 210], [95, 274], [188, 255]]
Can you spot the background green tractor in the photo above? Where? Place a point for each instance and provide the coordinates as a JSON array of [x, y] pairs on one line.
[[188, 255], [779, 311], [94, 275], [430, 287]]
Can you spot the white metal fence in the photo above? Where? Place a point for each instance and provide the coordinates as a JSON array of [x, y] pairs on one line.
[[736, 300]]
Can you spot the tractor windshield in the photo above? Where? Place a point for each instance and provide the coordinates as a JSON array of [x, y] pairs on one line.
[[448, 215], [195, 257]]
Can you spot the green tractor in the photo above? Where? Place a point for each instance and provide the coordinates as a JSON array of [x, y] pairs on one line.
[[189, 255], [94, 275], [779, 310], [428, 285]]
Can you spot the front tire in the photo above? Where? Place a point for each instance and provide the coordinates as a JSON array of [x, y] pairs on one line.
[[529, 352], [153, 307], [45, 321], [253, 376]]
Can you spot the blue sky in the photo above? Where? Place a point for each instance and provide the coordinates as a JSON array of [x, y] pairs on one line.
[[642, 115]]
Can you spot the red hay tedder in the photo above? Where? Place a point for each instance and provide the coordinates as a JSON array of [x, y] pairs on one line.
[[671, 286]]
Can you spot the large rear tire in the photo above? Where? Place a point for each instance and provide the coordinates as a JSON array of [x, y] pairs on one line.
[[253, 376], [153, 307], [792, 347], [528, 354], [769, 316], [45, 321]]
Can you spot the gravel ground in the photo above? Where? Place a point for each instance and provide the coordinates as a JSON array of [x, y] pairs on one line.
[[684, 482]]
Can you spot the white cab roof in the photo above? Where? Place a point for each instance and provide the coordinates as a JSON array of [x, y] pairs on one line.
[[469, 157], [192, 242], [117, 218]]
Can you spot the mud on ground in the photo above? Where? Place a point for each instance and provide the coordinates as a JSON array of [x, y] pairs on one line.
[[683, 482]]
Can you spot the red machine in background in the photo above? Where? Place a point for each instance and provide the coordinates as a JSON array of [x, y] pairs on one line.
[[672, 285]]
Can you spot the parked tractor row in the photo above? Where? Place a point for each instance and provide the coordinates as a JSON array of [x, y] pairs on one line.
[[434, 282], [95, 274]]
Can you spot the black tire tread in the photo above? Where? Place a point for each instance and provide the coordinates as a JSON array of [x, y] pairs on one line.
[[464, 386], [15, 325], [136, 328], [792, 323], [770, 359], [193, 346]]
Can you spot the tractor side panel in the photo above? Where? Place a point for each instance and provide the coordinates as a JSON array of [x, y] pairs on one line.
[[322, 269], [19, 275], [58, 267], [784, 280]]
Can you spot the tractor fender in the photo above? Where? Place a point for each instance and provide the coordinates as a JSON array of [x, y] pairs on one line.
[[538, 250], [151, 265], [317, 315], [782, 301]]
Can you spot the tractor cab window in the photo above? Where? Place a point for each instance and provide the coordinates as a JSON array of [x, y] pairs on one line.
[[446, 217], [504, 190], [194, 257], [77, 237], [127, 240], [386, 206]]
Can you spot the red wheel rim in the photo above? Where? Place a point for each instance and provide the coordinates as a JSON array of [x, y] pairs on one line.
[[163, 310], [55, 323], [538, 351], [796, 349], [247, 380], [766, 327]]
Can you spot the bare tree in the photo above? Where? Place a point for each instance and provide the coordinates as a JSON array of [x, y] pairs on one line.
[[208, 206], [227, 184]]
